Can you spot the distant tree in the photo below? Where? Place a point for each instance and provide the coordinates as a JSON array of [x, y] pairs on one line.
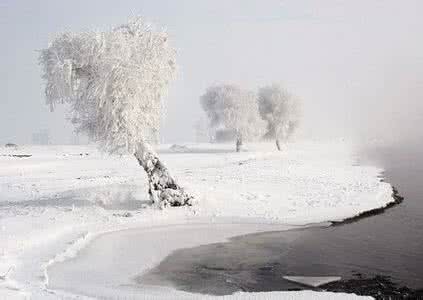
[[11, 145], [280, 109], [114, 82], [202, 131], [231, 108]]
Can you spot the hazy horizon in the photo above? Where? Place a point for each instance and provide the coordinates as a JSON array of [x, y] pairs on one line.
[[357, 65]]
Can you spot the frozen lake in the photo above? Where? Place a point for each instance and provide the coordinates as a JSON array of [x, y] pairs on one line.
[[62, 203], [199, 258], [387, 244], [110, 265]]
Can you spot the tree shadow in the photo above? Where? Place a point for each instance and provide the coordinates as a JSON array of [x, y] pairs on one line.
[[109, 197]]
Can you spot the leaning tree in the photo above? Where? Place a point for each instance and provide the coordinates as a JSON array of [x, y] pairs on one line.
[[280, 109], [232, 108], [113, 82]]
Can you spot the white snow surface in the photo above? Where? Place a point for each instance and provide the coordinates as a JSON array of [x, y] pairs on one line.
[[55, 202], [314, 281]]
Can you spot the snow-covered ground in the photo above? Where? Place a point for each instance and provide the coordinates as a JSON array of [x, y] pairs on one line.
[[60, 198]]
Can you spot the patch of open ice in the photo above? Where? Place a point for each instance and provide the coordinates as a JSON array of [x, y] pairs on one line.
[[314, 281]]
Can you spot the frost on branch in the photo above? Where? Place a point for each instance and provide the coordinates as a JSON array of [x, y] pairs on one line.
[[113, 82], [231, 108], [281, 110]]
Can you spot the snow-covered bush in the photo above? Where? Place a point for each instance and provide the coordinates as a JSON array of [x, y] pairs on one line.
[[231, 108], [281, 110], [113, 82]]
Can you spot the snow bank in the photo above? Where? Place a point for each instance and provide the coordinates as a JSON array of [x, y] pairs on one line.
[[308, 183], [62, 194]]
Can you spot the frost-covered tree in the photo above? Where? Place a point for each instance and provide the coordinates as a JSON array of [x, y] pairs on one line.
[[280, 109], [202, 131], [113, 82], [232, 108]]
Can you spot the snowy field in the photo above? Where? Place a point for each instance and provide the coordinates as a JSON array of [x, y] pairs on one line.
[[54, 202]]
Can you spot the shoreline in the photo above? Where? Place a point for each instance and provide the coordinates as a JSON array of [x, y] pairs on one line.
[[379, 286], [317, 180], [397, 199]]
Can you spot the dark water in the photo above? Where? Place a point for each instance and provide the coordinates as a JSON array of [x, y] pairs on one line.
[[387, 244]]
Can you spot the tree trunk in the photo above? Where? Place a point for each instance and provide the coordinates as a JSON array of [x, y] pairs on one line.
[[278, 145], [238, 143], [162, 187]]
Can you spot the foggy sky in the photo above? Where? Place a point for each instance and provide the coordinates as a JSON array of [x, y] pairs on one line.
[[357, 65]]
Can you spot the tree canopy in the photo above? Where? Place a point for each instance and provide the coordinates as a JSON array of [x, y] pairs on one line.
[[113, 81], [280, 109], [230, 107]]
